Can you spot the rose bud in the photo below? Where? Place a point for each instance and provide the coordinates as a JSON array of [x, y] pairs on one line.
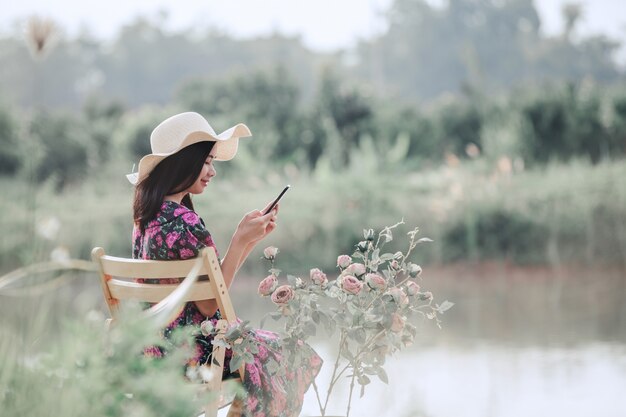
[[368, 234], [270, 253], [343, 261], [355, 269], [351, 284], [267, 286], [318, 277], [207, 328], [283, 295], [397, 323], [414, 270], [362, 245], [375, 281], [395, 265], [412, 288], [426, 296], [399, 296]]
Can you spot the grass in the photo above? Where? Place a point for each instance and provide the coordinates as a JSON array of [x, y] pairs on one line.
[[557, 214]]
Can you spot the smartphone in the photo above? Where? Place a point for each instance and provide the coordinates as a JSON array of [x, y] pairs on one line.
[[277, 199]]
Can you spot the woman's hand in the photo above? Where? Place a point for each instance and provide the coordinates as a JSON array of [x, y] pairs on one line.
[[255, 226]]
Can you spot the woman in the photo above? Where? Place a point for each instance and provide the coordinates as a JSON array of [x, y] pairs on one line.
[[166, 227]]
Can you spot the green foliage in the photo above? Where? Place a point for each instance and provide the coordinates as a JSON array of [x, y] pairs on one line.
[[88, 371], [10, 157], [101, 117], [62, 148], [133, 135], [565, 125], [494, 233]]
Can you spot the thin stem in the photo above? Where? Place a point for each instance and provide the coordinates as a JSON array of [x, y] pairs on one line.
[[350, 397], [317, 395], [330, 387]]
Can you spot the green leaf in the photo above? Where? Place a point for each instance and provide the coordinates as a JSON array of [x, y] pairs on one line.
[[386, 257], [382, 375], [445, 306], [316, 317], [363, 380], [236, 362], [310, 329]]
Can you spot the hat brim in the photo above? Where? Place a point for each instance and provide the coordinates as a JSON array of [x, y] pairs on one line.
[[225, 147]]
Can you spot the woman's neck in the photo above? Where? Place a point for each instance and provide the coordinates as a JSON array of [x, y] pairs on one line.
[[177, 198]]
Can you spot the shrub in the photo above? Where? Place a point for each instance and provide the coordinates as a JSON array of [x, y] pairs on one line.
[[62, 148], [10, 158], [495, 234]]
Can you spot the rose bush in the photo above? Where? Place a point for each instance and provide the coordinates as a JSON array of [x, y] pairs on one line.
[[369, 304]]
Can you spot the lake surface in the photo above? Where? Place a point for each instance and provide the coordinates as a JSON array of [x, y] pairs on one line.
[[520, 341], [492, 381]]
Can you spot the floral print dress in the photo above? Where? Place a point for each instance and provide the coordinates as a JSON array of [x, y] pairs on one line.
[[179, 233]]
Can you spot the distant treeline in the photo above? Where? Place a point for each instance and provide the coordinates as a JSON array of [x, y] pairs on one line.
[[564, 122], [426, 52]]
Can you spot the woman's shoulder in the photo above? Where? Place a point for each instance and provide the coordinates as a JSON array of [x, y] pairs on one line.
[[182, 215]]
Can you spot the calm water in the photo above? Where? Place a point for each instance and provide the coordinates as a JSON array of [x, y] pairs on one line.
[[491, 381], [519, 342]]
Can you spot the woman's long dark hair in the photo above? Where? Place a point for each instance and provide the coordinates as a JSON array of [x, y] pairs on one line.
[[172, 175]]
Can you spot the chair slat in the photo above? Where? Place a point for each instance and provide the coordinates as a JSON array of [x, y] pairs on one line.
[[138, 268], [153, 293]]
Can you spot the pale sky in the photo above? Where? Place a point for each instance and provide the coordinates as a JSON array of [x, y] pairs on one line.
[[323, 24]]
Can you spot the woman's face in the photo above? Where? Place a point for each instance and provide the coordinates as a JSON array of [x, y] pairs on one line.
[[207, 172]]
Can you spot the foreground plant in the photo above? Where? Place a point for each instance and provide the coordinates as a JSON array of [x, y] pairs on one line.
[[87, 371], [371, 305]]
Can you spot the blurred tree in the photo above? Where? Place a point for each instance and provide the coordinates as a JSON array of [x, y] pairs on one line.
[[460, 125], [572, 14], [61, 146], [348, 108], [488, 45], [268, 101], [101, 117], [10, 157], [563, 125]]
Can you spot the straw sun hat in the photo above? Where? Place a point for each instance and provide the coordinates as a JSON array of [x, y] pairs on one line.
[[182, 130]]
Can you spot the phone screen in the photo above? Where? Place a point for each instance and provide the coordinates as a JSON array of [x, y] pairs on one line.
[[277, 199]]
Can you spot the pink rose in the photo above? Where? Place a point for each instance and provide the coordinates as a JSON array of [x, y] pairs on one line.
[[343, 261], [412, 288], [267, 286], [351, 284], [270, 252], [397, 323], [159, 240], [171, 238], [399, 296], [318, 277], [355, 269], [375, 281], [283, 295]]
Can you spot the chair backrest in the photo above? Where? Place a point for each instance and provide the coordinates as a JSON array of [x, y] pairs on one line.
[[119, 276]]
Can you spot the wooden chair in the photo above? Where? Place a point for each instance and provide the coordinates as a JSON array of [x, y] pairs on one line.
[[118, 277]]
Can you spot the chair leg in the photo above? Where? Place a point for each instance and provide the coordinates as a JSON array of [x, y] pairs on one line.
[[211, 409], [236, 408]]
